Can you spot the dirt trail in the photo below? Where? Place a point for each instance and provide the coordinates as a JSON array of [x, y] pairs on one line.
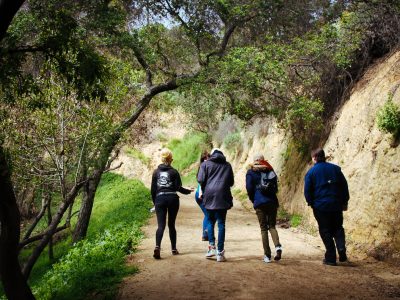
[[299, 275]]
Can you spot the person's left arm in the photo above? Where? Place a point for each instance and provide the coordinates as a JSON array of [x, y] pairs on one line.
[[178, 185], [231, 176], [344, 190]]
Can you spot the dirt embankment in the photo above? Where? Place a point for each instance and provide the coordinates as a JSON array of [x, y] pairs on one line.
[[299, 275]]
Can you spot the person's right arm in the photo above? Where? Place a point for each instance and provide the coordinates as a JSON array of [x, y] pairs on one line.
[[202, 177]]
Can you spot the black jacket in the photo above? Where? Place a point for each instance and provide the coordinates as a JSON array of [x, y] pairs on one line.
[[166, 180], [216, 178]]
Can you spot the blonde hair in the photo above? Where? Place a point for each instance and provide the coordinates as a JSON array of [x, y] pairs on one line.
[[166, 156]]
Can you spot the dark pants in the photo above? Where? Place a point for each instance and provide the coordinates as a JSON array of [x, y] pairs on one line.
[[266, 214], [331, 231], [219, 216], [166, 204]]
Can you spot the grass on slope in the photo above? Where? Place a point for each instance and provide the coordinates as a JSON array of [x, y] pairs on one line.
[[96, 265], [186, 153]]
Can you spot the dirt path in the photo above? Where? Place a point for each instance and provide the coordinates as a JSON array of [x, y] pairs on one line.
[[299, 275]]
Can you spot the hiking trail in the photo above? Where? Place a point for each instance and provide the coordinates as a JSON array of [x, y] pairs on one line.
[[299, 275]]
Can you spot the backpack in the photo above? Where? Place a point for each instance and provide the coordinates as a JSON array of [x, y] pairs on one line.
[[268, 183]]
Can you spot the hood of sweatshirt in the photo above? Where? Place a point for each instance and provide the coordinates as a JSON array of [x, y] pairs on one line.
[[217, 157], [163, 167]]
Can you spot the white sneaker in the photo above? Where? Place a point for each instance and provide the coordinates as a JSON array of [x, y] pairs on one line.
[[221, 256], [266, 259], [211, 251], [153, 209]]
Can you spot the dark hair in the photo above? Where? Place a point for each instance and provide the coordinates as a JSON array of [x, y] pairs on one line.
[[318, 154], [204, 156]]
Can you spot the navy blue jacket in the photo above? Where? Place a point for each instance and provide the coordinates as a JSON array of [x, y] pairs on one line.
[[325, 187], [253, 178], [216, 178]]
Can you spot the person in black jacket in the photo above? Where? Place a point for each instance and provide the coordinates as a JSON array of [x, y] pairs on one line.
[[265, 202], [216, 178], [326, 191], [165, 184]]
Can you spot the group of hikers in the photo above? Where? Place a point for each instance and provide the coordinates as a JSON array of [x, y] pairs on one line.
[[325, 190]]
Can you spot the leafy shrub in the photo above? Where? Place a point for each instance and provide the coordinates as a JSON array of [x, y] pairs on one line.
[[91, 265], [187, 151], [388, 118], [98, 263], [295, 220], [233, 142]]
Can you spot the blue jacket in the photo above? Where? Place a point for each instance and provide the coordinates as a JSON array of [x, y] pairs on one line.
[[253, 178], [325, 187], [216, 178]]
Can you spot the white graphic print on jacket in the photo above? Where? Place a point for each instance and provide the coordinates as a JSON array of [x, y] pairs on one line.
[[164, 180]]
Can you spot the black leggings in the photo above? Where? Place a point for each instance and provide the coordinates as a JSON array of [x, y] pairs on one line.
[[166, 204]]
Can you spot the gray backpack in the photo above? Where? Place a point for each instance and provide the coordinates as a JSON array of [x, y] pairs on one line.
[[268, 183]]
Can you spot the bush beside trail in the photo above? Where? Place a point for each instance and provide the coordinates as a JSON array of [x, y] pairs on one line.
[[97, 264]]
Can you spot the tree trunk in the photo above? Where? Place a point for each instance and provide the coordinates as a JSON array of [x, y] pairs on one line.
[[49, 219], [14, 283], [51, 230], [89, 191]]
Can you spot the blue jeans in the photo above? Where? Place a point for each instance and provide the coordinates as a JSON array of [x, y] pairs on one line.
[[219, 216], [206, 222]]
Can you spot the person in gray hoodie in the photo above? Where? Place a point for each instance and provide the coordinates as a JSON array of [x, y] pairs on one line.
[[216, 179]]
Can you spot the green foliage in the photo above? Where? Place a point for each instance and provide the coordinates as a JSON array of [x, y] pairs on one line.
[[233, 142], [98, 263], [187, 151], [295, 220], [388, 118], [135, 153], [91, 265]]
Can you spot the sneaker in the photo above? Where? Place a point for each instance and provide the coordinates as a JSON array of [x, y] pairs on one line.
[[156, 254], [175, 252], [278, 255], [342, 255], [153, 209], [211, 251], [328, 263], [267, 259], [221, 256]]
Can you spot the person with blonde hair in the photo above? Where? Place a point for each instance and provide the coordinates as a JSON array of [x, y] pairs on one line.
[[165, 184]]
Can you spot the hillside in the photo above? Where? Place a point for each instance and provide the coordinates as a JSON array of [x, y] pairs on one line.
[[367, 156]]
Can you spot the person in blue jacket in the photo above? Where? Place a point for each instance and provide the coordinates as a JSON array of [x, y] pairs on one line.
[[199, 200], [265, 202], [326, 191], [216, 179]]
